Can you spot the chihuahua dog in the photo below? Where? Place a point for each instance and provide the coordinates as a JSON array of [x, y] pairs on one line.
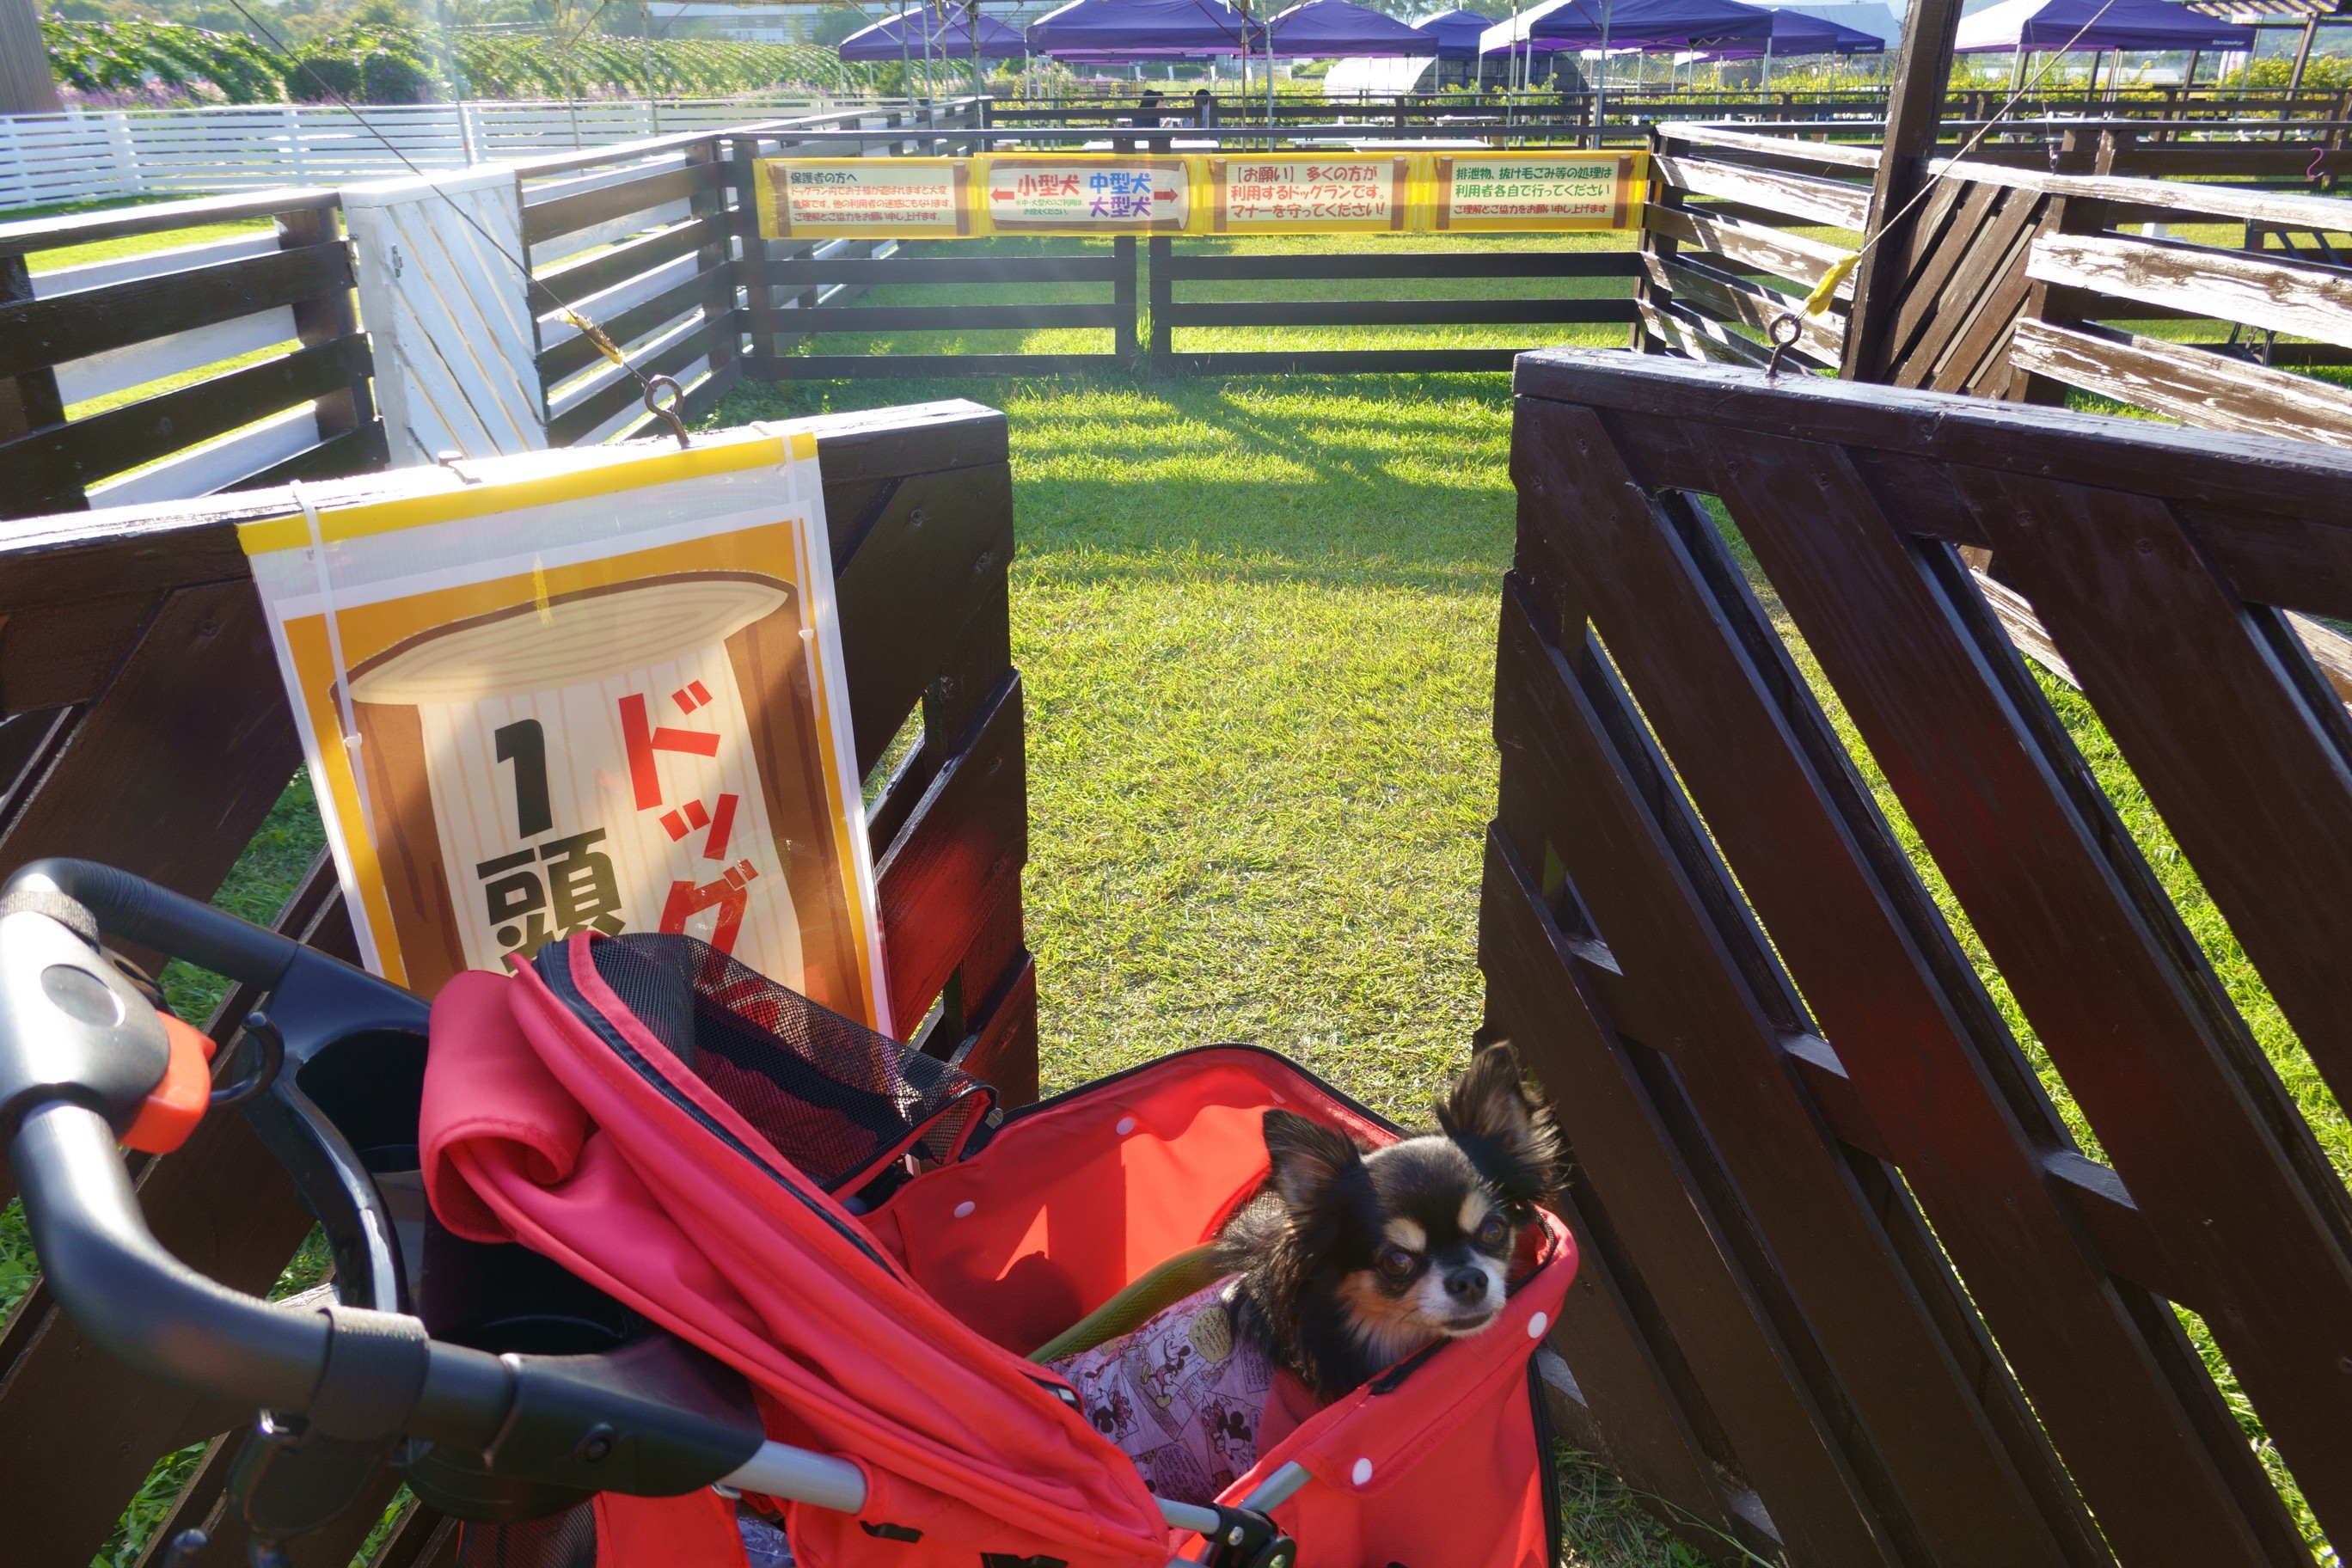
[[1349, 1262]]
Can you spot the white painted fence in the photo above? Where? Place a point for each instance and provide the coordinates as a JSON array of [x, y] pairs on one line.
[[86, 153]]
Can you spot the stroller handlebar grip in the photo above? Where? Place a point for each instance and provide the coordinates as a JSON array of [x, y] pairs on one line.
[[132, 907], [154, 1313]]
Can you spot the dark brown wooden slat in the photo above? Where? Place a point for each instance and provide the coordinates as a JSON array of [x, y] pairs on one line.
[[1921, 289], [32, 235], [2186, 383], [2209, 467], [1182, 268], [945, 318], [1915, 1035], [194, 728], [1789, 256], [360, 451], [2073, 922], [54, 655], [420, 1539], [1401, 313], [920, 573], [1969, 298], [1699, 1305], [1948, 1488], [799, 271], [39, 332], [550, 219], [963, 846], [576, 281], [2250, 776], [576, 354], [89, 449], [1726, 297], [575, 422], [1628, 1416]]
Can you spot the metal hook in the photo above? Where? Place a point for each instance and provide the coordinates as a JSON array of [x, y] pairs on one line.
[[272, 1044], [2318, 156], [1782, 341], [677, 401]]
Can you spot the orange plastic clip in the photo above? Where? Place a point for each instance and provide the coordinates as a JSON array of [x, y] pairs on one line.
[[175, 1105]]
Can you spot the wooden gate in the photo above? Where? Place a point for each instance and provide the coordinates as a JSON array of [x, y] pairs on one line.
[[1852, 1290], [142, 724]]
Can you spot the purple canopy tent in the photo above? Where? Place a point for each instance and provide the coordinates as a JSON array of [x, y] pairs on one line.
[[1327, 29], [1647, 25], [1456, 32], [2041, 25], [1794, 33], [2026, 27], [1142, 29], [890, 38]]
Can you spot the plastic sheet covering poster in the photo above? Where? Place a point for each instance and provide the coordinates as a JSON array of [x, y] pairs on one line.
[[1288, 192], [588, 690], [1534, 192], [1080, 194], [864, 198]]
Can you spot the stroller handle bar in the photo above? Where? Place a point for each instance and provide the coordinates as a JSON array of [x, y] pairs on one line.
[[80, 1052]]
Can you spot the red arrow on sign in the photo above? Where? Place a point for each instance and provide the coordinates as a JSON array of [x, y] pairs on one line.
[[1163, 196]]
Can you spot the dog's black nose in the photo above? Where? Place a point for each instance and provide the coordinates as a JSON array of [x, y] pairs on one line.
[[1467, 1284]]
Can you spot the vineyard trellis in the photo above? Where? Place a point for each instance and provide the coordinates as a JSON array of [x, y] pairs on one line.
[[407, 65]]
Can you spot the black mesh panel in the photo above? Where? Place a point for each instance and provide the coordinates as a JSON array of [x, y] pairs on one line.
[[832, 1097], [566, 1540]]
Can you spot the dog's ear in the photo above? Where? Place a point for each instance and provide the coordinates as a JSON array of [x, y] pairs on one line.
[[1307, 1158], [1503, 1126]]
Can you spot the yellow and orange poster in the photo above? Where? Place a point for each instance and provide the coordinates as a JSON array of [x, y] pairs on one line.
[[584, 693], [1290, 192], [1534, 192], [865, 198]]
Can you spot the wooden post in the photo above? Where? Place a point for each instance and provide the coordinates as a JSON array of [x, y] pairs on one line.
[[2060, 306], [25, 84], [29, 402], [1914, 113]]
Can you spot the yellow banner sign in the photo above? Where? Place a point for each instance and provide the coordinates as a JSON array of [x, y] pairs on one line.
[[1087, 195], [1518, 192], [865, 198], [1289, 192], [1094, 194]]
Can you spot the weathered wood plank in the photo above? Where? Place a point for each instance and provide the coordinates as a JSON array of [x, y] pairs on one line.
[[2281, 296], [1784, 254], [1734, 299], [2329, 214], [1832, 154], [1796, 195], [1695, 337], [2187, 383]]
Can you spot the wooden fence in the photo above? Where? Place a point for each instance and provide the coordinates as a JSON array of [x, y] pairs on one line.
[[75, 339], [2019, 283], [144, 726], [1852, 1291]]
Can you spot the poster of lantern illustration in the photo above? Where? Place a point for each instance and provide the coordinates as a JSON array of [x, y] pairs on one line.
[[588, 692]]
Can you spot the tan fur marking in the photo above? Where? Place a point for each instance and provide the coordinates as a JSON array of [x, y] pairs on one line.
[[1389, 1328], [1476, 1207], [1407, 1235]]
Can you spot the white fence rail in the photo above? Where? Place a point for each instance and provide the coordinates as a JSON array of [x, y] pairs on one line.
[[82, 155]]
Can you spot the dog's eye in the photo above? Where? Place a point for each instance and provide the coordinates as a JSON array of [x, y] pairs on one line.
[[1395, 1262], [1493, 1233]]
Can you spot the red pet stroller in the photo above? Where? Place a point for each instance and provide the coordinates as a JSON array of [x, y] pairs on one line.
[[690, 1237]]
